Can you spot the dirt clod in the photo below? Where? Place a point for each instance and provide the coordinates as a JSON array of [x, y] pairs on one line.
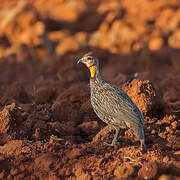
[[148, 170], [124, 171], [144, 95], [10, 117]]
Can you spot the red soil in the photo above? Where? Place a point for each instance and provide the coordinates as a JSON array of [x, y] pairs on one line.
[[48, 129]]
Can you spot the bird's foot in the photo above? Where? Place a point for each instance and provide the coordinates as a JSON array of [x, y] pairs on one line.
[[142, 144], [110, 144], [114, 141], [107, 144]]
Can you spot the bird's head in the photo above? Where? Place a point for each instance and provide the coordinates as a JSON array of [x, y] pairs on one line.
[[91, 63]]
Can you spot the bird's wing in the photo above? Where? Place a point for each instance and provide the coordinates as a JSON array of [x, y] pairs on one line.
[[117, 103]]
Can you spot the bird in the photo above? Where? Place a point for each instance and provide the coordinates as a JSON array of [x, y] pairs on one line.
[[112, 104]]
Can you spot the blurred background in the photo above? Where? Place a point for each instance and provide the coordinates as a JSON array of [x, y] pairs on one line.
[[41, 40]]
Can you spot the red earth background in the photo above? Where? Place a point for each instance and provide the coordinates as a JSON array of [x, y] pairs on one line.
[[48, 129]]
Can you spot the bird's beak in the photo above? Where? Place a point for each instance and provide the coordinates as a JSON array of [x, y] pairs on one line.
[[80, 60]]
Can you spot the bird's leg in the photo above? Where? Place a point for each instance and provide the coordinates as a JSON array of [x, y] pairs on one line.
[[142, 144], [139, 132], [114, 139]]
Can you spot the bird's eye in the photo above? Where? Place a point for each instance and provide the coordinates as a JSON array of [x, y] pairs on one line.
[[89, 58]]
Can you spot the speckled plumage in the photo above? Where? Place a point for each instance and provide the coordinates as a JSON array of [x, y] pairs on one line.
[[113, 106]]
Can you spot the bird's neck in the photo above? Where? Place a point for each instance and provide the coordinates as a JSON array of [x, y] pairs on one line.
[[94, 71]]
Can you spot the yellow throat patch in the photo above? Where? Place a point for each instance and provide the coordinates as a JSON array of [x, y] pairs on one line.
[[92, 71]]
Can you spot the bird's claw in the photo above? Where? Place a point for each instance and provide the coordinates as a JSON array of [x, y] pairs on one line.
[[107, 144], [142, 144]]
